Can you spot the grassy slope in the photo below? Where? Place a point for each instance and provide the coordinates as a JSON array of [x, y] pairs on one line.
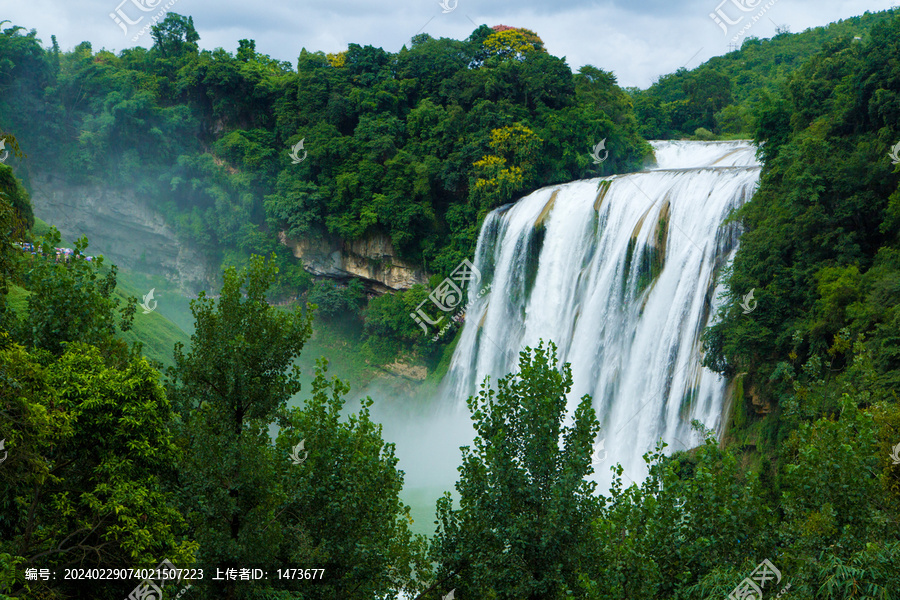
[[155, 331], [157, 334], [340, 343], [172, 321]]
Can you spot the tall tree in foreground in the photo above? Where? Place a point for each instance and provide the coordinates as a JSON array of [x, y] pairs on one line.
[[72, 300], [87, 480], [343, 513], [523, 526], [331, 503], [228, 389]]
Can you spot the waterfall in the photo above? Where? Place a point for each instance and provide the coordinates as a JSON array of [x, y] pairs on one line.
[[620, 273]]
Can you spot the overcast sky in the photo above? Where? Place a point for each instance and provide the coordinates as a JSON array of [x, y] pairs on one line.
[[638, 40]]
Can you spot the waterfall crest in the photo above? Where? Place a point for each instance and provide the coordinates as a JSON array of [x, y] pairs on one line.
[[619, 272]]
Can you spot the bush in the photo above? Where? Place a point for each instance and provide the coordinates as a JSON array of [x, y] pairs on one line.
[[333, 300], [704, 135]]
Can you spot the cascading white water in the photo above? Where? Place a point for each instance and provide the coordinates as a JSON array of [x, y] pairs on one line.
[[620, 274]]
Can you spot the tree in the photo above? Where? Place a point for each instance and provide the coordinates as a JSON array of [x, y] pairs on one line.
[[694, 513], [836, 506], [709, 93], [509, 169], [89, 477], [522, 529], [8, 252], [16, 217], [343, 511], [175, 36], [246, 50], [333, 301], [514, 43], [228, 389], [394, 140], [12, 190], [72, 300], [249, 504]]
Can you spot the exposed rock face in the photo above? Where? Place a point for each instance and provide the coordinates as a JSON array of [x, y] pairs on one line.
[[131, 234], [413, 372], [372, 259], [121, 227]]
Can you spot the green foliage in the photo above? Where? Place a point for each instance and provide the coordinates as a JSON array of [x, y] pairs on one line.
[[338, 509], [8, 252], [522, 527], [390, 328], [820, 249], [695, 514], [720, 94], [392, 139], [333, 301], [13, 192], [416, 146], [255, 342], [89, 481], [227, 390], [71, 300], [820, 352], [16, 216], [343, 508], [175, 35], [704, 135]]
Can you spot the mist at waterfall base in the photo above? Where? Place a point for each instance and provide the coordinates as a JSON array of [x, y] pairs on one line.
[[428, 434], [620, 273]]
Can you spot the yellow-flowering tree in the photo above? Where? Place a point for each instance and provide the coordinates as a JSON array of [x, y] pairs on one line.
[[513, 43], [509, 169], [517, 144], [337, 60], [495, 183]]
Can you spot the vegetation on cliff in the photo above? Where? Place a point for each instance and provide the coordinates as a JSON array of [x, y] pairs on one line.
[[108, 464]]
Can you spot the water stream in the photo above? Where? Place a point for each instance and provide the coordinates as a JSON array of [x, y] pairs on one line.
[[620, 273]]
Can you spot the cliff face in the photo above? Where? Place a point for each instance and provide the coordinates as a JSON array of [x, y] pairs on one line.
[[372, 259], [131, 234], [121, 227]]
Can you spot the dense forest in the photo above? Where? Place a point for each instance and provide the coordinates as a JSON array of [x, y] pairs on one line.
[[719, 96], [112, 462], [417, 146]]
